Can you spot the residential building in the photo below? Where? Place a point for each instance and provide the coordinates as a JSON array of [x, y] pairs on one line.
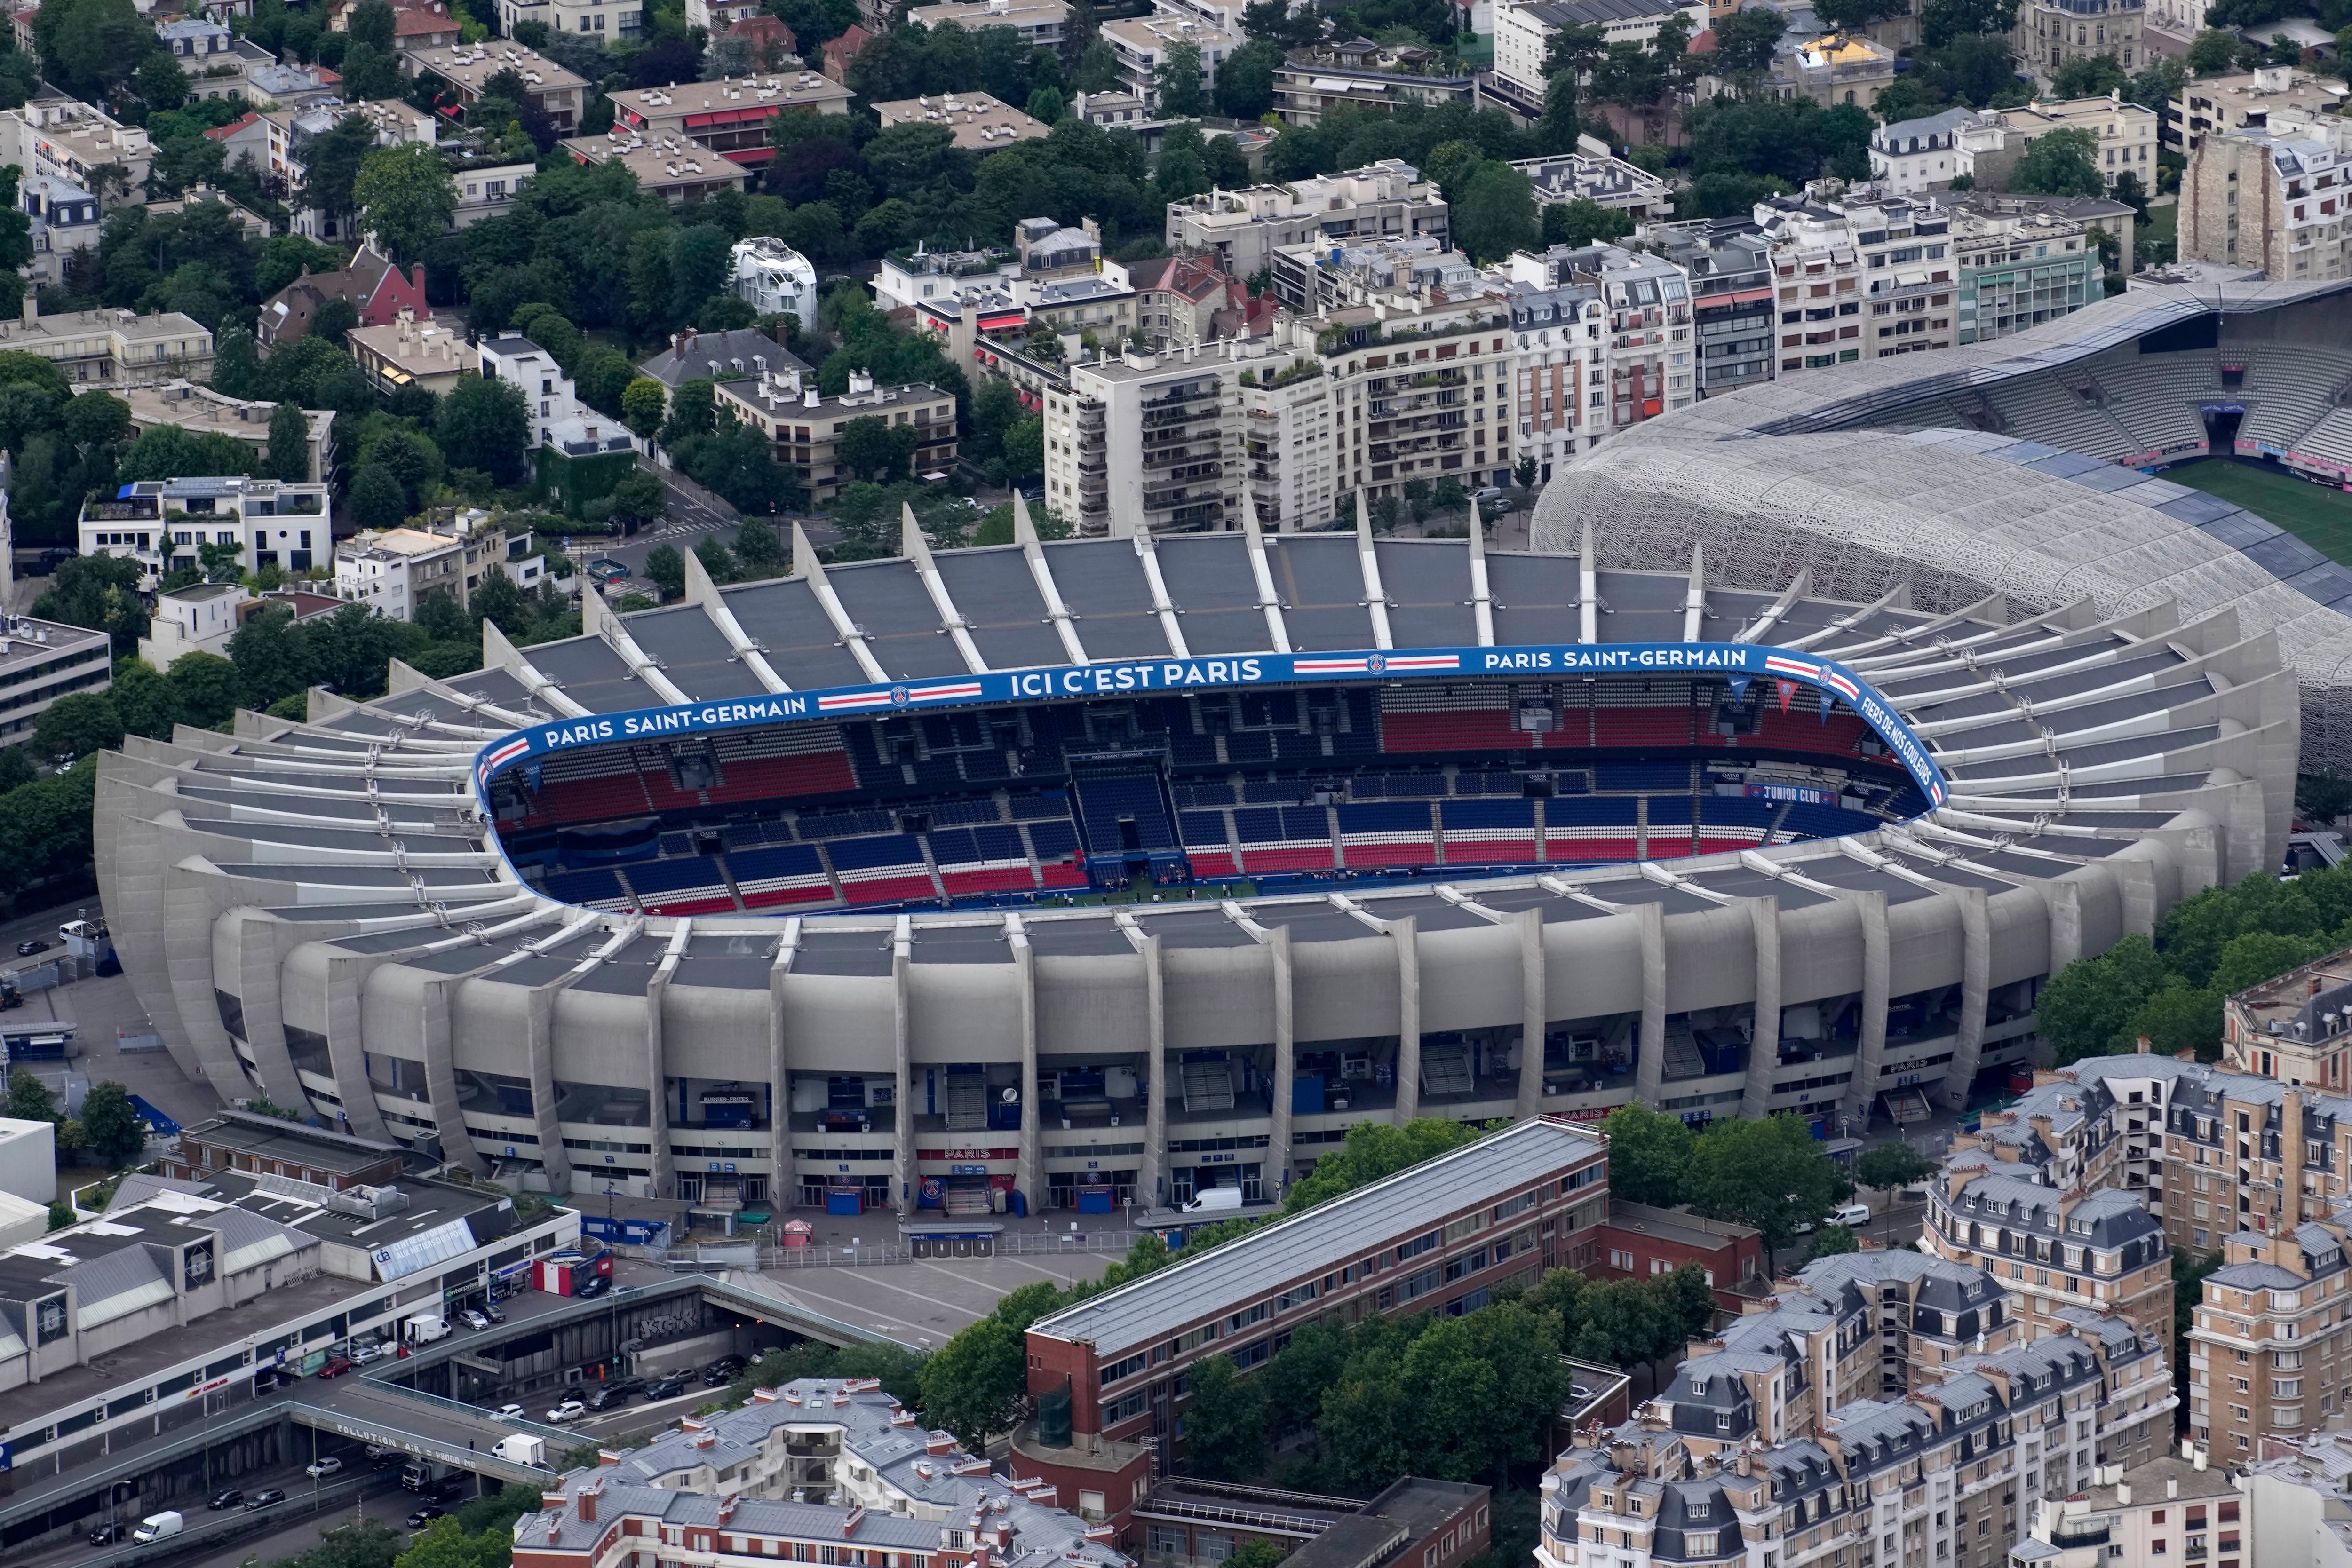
[[1188, 1520], [682, 172], [409, 351], [806, 424], [979, 122], [2271, 1352], [1840, 259], [1729, 266], [272, 523], [394, 571], [1442, 1237], [2172, 1509], [198, 618], [1177, 298], [1834, 68], [1141, 43], [1607, 342], [2295, 1028], [65, 219], [2251, 100], [2278, 198], [1639, 1241], [2019, 264], [2050, 33], [41, 661], [1417, 391], [770, 44], [1610, 183], [1308, 278], [1387, 200], [1051, 253], [1040, 22], [113, 348], [557, 414], [372, 285], [908, 279], [906, 1497], [205, 412], [2055, 1247], [1929, 152], [1377, 78], [717, 16], [840, 51], [249, 139], [2298, 1500], [2127, 133], [291, 130], [1524, 32], [216, 62], [290, 86], [719, 356], [773, 278], [54, 135], [552, 90], [1121, 109], [248, 223], [729, 117], [488, 191]]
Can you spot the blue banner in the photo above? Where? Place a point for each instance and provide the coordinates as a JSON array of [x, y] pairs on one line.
[[1734, 662]]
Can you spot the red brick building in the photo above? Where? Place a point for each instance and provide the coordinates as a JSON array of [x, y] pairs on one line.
[[1639, 1241]]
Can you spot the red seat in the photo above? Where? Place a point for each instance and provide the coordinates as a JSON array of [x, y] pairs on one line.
[[693, 907], [889, 890], [991, 879], [1469, 730]]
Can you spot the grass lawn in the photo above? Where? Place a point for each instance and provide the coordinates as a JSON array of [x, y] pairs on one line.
[[2321, 517]]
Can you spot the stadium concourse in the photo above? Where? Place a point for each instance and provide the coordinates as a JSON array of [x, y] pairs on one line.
[[1108, 869], [2017, 475]]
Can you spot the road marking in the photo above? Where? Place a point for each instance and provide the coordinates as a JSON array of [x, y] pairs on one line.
[[868, 1307]]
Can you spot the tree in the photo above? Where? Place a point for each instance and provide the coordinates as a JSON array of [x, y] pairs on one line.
[[110, 1127], [1176, 83], [406, 197], [1649, 1154], [2090, 76], [1746, 41], [2085, 1004], [665, 569], [485, 424], [289, 445], [29, 1099], [1496, 214], [2212, 51], [2323, 797], [1224, 1420], [376, 501], [1767, 1173], [1830, 1240], [2060, 163], [79, 723], [1582, 221], [643, 404], [639, 498], [236, 365], [867, 449], [162, 84], [759, 548], [373, 22], [331, 164], [1246, 80], [976, 1384], [1886, 1166]]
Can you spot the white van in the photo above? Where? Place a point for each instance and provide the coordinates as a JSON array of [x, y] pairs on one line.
[[1851, 1215], [156, 1526], [1217, 1200]]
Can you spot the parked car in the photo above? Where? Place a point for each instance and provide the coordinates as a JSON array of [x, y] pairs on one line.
[[269, 1496], [615, 1394], [336, 1366], [491, 1311], [563, 1415], [669, 1387], [362, 1355], [425, 1516], [228, 1498], [108, 1534], [320, 1469], [30, 946], [726, 1369], [474, 1319], [592, 1288]]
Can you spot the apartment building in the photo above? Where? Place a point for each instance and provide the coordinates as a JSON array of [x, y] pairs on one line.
[[2278, 198], [773, 278], [1728, 265], [978, 121], [2272, 1351], [406, 352], [557, 414], [2251, 100], [1040, 22], [2128, 135], [729, 117], [41, 661], [160, 523], [65, 139], [1310, 277], [1524, 32], [2295, 1027], [1442, 1236], [806, 424], [2019, 266], [1860, 277], [2172, 1509], [2298, 1503], [1144, 442], [2054, 1248], [394, 571], [112, 349], [681, 172], [548, 87], [1177, 298], [2051, 33], [204, 411], [1387, 200], [1835, 69], [1604, 180], [216, 62], [1929, 152], [1375, 78], [65, 219], [1141, 45], [1420, 387], [909, 279]]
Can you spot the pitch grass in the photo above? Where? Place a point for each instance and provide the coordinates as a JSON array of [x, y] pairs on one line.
[[2320, 518]]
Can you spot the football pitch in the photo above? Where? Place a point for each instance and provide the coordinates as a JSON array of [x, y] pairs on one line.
[[2321, 517]]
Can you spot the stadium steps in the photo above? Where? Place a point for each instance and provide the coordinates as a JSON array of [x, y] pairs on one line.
[[621, 875], [967, 1106], [726, 875], [1208, 1085], [1445, 1070], [931, 867], [831, 875]]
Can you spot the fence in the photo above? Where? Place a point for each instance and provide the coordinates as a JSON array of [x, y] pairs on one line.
[[711, 1260]]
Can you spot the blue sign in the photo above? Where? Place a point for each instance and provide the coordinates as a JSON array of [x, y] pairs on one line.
[[1801, 794], [1731, 661]]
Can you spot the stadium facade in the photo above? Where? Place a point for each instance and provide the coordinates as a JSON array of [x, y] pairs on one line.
[[1107, 870], [2023, 473]]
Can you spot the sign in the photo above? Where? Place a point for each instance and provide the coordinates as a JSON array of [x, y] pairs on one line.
[[1129, 678], [1798, 793]]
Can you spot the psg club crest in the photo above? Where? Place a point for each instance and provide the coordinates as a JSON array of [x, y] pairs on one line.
[[897, 696], [1376, 664]]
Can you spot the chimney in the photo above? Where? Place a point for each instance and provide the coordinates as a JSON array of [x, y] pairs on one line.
[[587, 1505], [2198, 1462], [2142, 1044], [2123, 1493], [32, 309], [2172, 1486]]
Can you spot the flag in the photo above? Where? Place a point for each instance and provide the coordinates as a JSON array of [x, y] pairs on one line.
[[1828, 701], [1739, 688], [1788, 689]]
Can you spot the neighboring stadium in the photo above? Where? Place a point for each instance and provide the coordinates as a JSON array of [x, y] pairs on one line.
[[1111, 869], [2019, 473]]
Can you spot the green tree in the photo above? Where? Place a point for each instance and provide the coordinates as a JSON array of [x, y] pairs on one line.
[[1746, 41], [1496, 214], [2085, 1004], [161, 83], [869, 451], [976, 1384], [1767, 1173], [2090, 76], [110, 1127], [79, 723], [639, 498], [2175, 1019], [643, 402], [665, 569], [289, 445], [1582, 221], [2323, 797], [2212, 51], [1889, 1165], [2060, 163], [1649, 1154], [2253, 956], [406, 196], [331, 164], [485, 424], [1246, 80], [759, 548], [1176, 83], [376, 501], [204, 688], [1830, 1240], [29, 1099], [1224, 1420]]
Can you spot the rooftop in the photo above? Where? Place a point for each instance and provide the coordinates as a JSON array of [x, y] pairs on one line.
[[268, 1138], [701, 103], [668, 162], [128, 325], [468, 65], [692, 354], [978, 120], [190, 407]]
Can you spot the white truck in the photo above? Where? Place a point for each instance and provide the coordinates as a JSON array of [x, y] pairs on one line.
[[156, 1526], [1217, 1200], [522, 1449], [427, 1327]]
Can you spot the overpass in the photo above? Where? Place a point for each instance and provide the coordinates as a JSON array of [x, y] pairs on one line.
[[370, 1407]]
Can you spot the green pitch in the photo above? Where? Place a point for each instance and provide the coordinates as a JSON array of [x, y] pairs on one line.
[[2322, 518]]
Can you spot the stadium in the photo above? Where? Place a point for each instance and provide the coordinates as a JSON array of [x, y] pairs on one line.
[[1073, 873]]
